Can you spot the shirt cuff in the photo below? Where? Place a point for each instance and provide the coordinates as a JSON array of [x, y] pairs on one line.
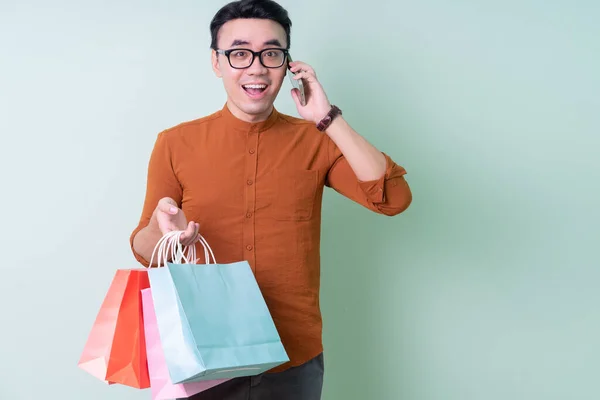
[[375, 189]]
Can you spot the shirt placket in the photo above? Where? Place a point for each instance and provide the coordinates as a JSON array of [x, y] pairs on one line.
[[250, 168]]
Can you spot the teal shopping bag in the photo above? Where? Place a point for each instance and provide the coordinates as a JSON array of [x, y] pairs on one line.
[[212, 318]]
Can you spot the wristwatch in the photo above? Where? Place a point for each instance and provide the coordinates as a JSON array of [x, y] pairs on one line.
[[326, 121]]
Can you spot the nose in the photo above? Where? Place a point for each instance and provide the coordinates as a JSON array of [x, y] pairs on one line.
[[256, 68]]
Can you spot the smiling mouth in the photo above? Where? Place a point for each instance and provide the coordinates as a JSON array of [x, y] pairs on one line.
[[254, 89]]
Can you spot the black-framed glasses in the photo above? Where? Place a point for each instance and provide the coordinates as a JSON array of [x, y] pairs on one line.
[[243, 58]]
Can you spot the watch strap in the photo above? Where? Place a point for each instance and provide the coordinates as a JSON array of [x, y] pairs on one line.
[[326, 121]]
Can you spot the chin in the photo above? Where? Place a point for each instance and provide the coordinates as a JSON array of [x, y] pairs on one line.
[[256, 108]]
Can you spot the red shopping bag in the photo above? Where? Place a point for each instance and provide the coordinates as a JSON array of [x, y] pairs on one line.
[[115, 351]]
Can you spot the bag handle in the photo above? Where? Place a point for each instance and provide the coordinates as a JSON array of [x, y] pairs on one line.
[[170, 241]]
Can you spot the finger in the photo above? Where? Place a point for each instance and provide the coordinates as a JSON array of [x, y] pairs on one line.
[[188, 235], [168, 205], [301, 66], [307, 76], [193, 238], [187, 243]]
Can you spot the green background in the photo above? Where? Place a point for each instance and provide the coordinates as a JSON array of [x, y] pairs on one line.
[[486, 288]]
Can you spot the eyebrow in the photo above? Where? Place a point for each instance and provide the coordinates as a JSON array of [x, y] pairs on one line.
[[272, 42]]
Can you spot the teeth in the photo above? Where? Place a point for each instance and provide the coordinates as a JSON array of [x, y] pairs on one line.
[[255, 86]]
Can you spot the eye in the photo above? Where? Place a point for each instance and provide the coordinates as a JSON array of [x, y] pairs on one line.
[[273, 53], [240, 54]]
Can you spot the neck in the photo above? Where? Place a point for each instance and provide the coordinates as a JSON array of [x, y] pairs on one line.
[[239, 114]]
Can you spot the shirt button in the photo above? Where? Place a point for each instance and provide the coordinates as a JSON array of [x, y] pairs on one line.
[[249, 215], [249, 182], [251, 151], [249, 247]]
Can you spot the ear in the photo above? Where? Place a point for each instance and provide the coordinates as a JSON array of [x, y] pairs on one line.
[[215, 63]]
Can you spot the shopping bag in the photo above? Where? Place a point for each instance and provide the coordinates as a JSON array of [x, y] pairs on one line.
[[212, 318], [160, 382], [115, 351]]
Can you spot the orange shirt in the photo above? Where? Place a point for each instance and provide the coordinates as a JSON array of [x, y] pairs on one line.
[[256, 191]]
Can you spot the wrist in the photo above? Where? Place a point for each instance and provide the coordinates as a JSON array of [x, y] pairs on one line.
[[333, 114], [322, 113]]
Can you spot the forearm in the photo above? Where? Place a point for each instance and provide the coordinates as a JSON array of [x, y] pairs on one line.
[[367, 162]]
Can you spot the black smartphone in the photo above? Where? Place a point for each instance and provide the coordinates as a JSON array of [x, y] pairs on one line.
[[297, 83]]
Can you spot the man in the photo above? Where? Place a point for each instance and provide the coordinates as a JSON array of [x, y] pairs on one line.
[[253, 180]]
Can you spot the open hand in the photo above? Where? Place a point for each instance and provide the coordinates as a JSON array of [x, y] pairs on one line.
[[169, 218]]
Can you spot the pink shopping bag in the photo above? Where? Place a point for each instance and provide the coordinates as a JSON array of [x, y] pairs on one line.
[[160, 383]]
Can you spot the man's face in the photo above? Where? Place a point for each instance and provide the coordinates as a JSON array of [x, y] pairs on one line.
[[247, 103]]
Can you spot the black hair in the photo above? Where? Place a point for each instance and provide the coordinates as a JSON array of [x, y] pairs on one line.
[[261, 9]]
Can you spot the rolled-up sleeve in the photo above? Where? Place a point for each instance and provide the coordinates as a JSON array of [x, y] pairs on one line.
[[389, 195]]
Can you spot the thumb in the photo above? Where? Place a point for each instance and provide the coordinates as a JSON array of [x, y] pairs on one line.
[[167, 206]]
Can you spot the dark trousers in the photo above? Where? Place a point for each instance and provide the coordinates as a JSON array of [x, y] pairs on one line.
[[303, 382]]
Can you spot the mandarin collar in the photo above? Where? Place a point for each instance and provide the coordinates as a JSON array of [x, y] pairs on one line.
[[235, 122]]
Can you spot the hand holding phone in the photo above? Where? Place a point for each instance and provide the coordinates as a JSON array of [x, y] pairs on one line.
[[297, 83]]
